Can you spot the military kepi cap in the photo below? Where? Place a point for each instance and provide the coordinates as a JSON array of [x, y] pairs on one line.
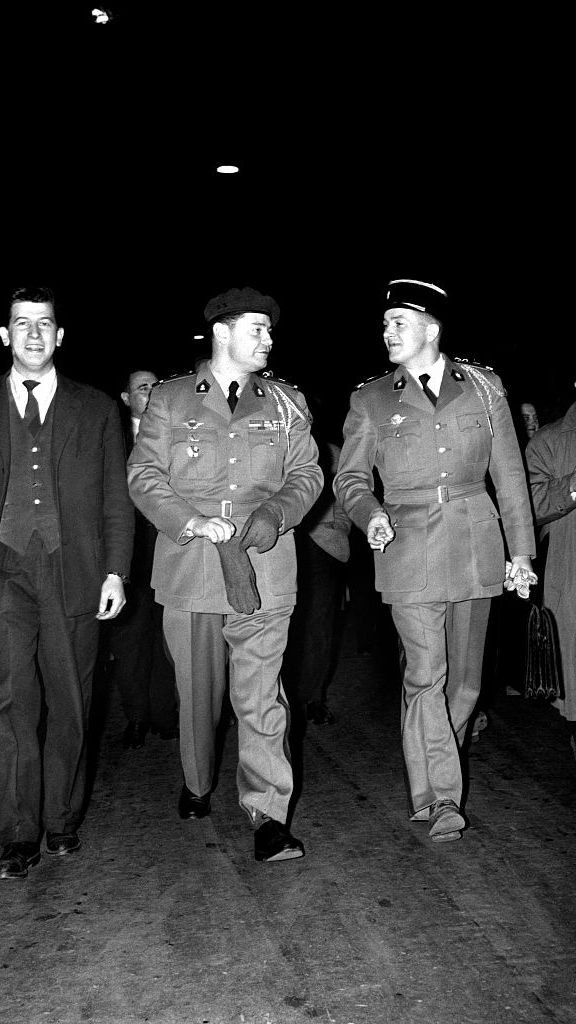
[[420, 295], [241, 300]]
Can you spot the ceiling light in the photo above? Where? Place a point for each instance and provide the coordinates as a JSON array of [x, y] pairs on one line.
[[227, 169], [198, 337], [101, 15]]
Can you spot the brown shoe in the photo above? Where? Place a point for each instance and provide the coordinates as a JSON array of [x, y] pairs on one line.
[[446, 822], [16, 858]]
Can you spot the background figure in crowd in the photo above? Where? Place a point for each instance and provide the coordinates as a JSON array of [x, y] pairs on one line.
[[225, 467], [323, 550], [142, 671], [66, 526], [551, 459], [432, 428], [530, 418]]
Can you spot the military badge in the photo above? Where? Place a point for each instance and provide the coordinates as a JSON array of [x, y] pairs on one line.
[[397, 420]]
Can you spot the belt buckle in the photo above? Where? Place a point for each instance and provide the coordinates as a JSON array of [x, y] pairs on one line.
[[226, 510], [443, 494]]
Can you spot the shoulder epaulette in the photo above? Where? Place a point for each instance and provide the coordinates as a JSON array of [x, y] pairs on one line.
[[175, 376], [268, 375], [370, 380]]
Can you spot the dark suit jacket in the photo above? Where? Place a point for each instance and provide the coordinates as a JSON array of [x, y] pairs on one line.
[[89, 474]]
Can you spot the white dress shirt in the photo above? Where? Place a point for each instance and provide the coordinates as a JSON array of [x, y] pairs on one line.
[[435, 372], [43, 394]]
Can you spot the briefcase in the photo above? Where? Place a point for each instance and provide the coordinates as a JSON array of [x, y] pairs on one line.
[[543, 671]]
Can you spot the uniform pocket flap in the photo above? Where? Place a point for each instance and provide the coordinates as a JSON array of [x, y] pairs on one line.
[[471, 421], [409, 427], [408, 517]]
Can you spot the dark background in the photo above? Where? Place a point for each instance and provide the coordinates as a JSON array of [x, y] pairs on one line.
[[402, 142]]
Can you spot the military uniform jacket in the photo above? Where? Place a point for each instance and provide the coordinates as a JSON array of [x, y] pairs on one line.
[[433, 463], [194, 457]]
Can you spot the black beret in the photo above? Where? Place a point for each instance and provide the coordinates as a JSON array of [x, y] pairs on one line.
[[420, 295], [241, 300]]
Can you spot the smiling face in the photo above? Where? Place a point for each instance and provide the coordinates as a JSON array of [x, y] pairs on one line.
[[248, 342], [412, 338], [33, 336]]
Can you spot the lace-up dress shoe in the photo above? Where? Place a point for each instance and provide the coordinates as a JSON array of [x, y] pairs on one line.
[[59, 844], [273, 841], [192, 806], [134, 736], [446, 822], [16, 858]]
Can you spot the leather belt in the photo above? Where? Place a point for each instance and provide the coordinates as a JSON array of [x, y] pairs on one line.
[[226, 509], [433, 495]]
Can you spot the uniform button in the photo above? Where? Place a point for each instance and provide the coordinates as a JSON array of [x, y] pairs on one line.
[[233, 487], [443, 474], [437, 426], [35, 466], [232, 461], [397, 433], [34, 449], [36, 501], [442, 450], [232, 434]]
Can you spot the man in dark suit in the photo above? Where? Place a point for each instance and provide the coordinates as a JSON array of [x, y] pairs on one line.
[[66, 526], [142, 672], [220, 452], [435, 429]]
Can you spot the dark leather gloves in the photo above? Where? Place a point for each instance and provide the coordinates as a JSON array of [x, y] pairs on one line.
[[239, 577], [261, 529]]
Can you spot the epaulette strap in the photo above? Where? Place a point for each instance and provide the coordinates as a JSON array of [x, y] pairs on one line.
[[268, 375], [472, 362], [175, 376], [370, 380]]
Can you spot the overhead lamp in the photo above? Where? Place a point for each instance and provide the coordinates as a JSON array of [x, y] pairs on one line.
[[198, 337], [227, 169]]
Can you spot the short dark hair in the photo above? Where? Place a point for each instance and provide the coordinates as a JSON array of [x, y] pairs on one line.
[[229, 319], [32, 293]]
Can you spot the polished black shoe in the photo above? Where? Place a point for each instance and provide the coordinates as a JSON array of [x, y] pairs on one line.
[[16, 858], [192, 806], [170, 733], [319, 713], [272, 841], [58, 844], [134, 736]]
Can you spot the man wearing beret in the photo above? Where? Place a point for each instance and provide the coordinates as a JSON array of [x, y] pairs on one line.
[[225, 468], [435, 429]]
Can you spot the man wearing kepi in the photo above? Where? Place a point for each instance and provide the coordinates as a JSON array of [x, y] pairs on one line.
[[434, 429], [225, 467]]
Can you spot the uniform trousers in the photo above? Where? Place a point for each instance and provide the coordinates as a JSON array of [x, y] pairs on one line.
[[44, 655], [444, 646], [200, 644]]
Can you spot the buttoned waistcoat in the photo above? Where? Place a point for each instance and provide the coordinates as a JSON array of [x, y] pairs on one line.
[[434, 463], [194, 457]]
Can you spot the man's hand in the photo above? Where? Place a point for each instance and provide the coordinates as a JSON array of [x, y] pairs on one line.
[[519, 575], [214, 528], [112, 598], [379, 532], [260, 530]]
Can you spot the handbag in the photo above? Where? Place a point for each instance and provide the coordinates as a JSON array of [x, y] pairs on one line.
[[543, 673]]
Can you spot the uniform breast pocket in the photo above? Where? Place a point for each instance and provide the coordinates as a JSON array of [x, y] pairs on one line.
[[475, 436], [400, 444], [194, 454], [265, 458]]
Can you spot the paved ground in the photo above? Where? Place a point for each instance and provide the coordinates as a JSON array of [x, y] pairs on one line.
[[174, 923]]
